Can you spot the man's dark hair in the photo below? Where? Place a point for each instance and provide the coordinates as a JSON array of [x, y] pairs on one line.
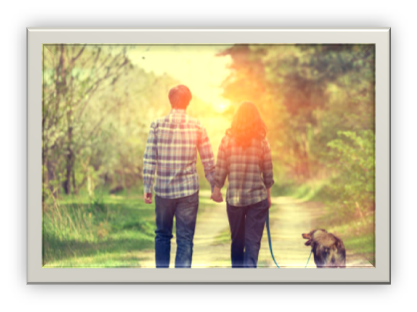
[[180, 96]]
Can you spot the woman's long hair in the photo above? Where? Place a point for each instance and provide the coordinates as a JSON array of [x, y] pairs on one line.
[[247, 124]]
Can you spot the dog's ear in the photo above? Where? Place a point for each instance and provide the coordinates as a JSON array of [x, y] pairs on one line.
[[323, 230]]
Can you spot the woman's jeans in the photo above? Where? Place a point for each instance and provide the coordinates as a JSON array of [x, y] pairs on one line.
[[185, 211], [247, 225]]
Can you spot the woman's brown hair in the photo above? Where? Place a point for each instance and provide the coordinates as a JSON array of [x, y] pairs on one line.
[[247, 124]]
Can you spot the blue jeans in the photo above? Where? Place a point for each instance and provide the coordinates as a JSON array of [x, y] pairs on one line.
[[185, 211], [247, 225]]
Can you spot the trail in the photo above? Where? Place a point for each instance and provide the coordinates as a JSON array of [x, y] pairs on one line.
[[289, 218]]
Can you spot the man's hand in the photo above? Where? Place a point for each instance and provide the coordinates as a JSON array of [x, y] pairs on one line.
[[218, 198], [216, 195], [147, 197]]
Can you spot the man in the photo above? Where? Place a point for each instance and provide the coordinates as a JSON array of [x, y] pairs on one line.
[[171, 149]]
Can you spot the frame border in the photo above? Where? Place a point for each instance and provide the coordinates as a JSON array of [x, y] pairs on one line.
[[381, 37]]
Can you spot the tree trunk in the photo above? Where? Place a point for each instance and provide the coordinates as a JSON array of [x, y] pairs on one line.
[[50, 176], [67, 182], [64, 92], [74, 183], [70, 162]]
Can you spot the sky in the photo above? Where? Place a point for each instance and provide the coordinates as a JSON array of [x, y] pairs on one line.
[[196, 66]]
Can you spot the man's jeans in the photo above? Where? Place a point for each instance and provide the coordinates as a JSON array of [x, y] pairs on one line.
[[185, 211], [247, 225]]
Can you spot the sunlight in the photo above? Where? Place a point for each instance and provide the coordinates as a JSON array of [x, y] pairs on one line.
[[196, 66], [221, 107], [99, 136]]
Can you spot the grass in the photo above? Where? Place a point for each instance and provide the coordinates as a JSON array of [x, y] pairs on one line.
[[363, 245], [281, 189], [115, 230], [222, 238], [104, 231], [307, 191], [358, 235]]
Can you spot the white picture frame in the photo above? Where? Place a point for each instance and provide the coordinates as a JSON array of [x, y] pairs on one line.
[[381, 274]]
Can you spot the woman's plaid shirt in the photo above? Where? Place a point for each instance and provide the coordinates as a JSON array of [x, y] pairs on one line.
[[249, 171], [171, 150]]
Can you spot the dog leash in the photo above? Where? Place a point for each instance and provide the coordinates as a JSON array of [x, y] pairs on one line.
[[267, 226], [270, 243], [269, 240], [309, 258]]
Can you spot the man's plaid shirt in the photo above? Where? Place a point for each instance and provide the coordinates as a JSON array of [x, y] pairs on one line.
[[249, 171], [171, 149]]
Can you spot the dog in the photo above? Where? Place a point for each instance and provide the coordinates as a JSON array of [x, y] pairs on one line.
[[329, 250]]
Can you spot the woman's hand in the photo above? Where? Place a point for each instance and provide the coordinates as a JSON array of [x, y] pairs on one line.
[[147, 197], [216, 195], [269, 198]]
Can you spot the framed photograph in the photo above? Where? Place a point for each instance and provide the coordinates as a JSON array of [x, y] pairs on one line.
[[235, 155]]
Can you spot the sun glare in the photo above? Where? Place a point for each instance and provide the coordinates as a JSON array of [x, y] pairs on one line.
[[196, 66], [221, 107]]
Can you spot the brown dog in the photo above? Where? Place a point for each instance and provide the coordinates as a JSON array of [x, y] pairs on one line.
[[328, 250]]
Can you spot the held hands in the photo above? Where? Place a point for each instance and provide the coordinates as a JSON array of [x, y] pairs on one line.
[[216, 195], [147, 197]]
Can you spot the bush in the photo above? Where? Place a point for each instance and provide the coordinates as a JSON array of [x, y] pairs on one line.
[[352, 191]]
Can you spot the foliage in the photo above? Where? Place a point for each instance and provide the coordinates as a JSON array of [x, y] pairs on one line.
[[99, 231], [352, 157], [318, 104], [77, 227], [97, 109]]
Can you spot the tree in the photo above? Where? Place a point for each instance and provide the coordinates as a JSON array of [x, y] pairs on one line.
[[72, 76], [306, 93]]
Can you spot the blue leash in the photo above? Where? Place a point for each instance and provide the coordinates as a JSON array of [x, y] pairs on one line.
[[269, 240], [309, 258], [270, 243]]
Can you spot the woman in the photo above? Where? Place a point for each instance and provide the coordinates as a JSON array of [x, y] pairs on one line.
[[245, 158]]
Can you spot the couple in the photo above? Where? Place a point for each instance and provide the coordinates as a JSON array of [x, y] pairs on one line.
[[244, 157]]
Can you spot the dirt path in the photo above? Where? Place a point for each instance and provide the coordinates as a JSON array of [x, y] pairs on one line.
[[288, 219]]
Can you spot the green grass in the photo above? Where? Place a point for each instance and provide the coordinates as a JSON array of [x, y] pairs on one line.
[[310, 191], [222, 238], [307, 191], [106, 231], [364, 244], [281, 189], [358, 235]]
